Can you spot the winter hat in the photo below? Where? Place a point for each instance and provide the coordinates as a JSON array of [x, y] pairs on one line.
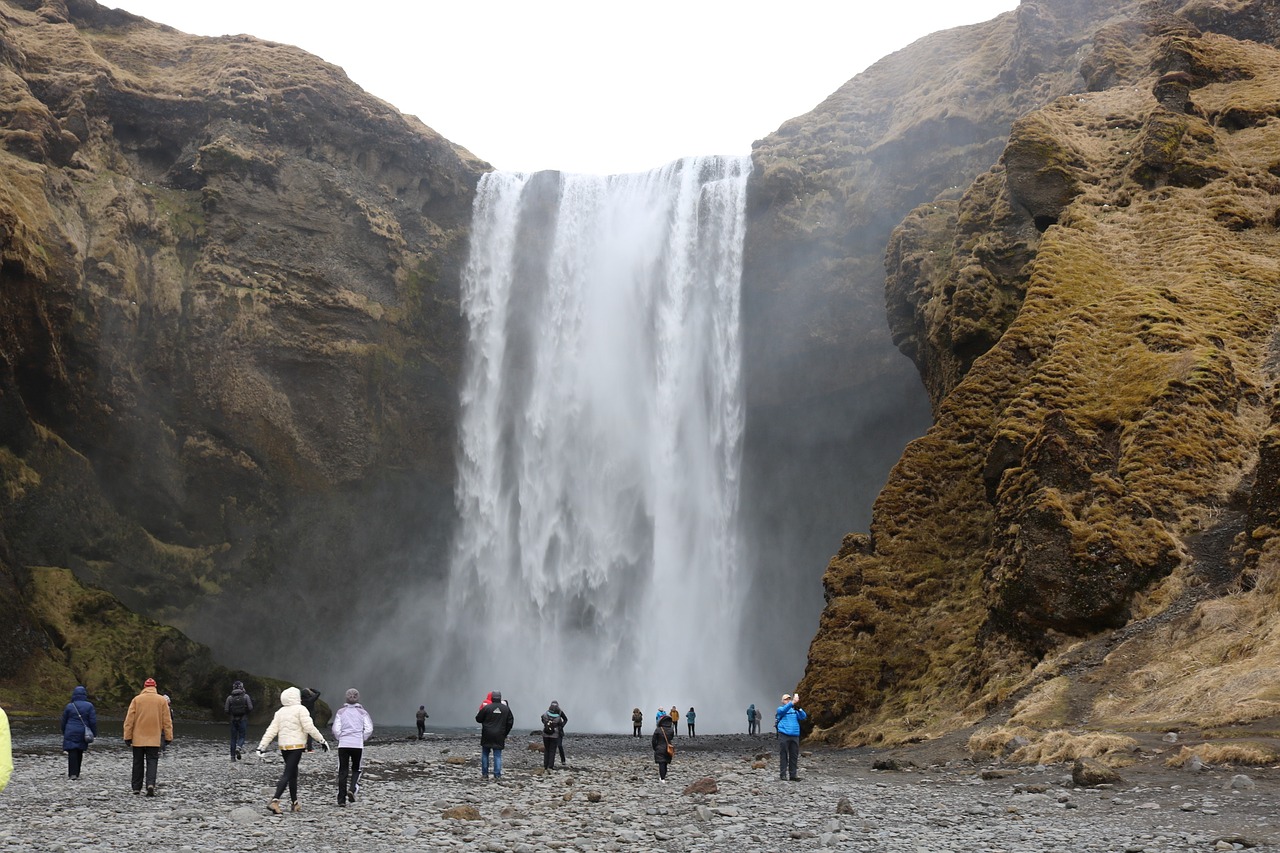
[[353, 696], [237, 685], [150, 682]]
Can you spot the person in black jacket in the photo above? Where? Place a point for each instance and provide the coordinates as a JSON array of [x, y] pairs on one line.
[[309, 698], [238, 706], [663, 733], [553, 720], [495, 719]]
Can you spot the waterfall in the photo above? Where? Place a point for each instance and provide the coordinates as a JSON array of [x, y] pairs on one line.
[[596, 559]]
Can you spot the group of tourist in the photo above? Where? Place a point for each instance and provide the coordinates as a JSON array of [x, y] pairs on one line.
[[690, 720], [148, 729]]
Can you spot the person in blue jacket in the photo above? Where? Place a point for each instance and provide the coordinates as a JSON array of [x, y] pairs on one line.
[[78, 718], [789, 716]]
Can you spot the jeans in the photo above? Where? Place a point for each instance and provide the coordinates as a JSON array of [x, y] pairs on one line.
[[549, 752], [289, 778], [150, 757], [348, 755], [239, 728], [788, 754], [753, 727], [484, 761]]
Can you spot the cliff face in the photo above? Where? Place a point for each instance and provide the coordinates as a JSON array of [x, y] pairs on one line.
[[228, 333], [1088, 530]]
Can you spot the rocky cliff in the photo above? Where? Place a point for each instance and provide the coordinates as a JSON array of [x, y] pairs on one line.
[[1086, 536], [228, 340]]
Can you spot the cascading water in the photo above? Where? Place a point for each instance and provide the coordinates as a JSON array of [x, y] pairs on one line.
[[596, 559]]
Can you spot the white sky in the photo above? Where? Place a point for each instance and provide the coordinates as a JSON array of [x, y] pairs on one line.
[[588, 85]]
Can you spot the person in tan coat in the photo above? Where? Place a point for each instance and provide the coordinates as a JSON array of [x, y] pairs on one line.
[[147, 726], [290, 727]]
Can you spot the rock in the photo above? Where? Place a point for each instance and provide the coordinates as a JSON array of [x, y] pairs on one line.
[[705, 785], [1170, 737], [702, 812], [1088, 772], [994, 773], [844, 806], [594, 796], [246, 814], [461, 813], [457, 760], [885, 764], [1241, 782]]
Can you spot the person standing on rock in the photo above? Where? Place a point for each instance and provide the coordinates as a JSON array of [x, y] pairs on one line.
[[663, 751], [290, 727], [689, 719], [495, 719], [789, 715], [753, 720], [637, 720], [352, 726], [422, 721], [79, 728], [148, 726], [552, 733], [239, 705]]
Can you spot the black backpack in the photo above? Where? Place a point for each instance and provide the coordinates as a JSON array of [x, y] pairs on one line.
[[550, 727], [238, 705]]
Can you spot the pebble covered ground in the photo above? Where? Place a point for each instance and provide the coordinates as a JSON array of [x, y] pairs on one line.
[[428, 795]]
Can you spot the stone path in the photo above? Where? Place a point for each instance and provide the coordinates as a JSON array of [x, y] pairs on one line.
[[420, 796]]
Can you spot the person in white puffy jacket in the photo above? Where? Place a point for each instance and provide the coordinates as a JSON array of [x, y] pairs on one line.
[[352, 726], [290, 727]]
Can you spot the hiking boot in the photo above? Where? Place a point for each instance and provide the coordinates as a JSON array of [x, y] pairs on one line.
[[274, 806], [151, 790], [351, 795], [296, 807]]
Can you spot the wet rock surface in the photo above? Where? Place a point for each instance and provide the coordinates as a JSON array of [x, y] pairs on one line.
[[413, 797]]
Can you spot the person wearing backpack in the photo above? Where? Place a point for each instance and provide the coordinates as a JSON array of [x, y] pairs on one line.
[[79, 728], [552, 733], [238, 706], [637, 720], [674, 713]]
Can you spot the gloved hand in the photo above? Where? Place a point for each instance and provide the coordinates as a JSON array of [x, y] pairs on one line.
[[324, 744], [128, 743]]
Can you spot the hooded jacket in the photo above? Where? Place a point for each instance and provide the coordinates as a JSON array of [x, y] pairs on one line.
[[148, 721], [352, 725], [6, 751], [291, 724], [76, 717], [556, 718], [495, 721], [663, 734], [237, 690]]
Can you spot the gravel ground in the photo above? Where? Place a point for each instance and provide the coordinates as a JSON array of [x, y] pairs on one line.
[[428, 795]]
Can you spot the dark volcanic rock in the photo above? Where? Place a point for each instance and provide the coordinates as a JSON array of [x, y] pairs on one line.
[[229, 331]]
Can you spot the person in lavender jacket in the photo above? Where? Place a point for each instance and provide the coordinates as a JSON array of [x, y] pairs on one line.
[[352, 726]]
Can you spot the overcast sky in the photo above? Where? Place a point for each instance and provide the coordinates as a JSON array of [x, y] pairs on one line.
[[588, 85]]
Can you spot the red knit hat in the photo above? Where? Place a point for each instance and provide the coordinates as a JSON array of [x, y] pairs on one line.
[[150, 682]]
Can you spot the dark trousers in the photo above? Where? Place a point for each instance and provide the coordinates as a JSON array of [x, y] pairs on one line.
[[348, 757], [560, 746], [74, 758], [549, 752], [662, 768], [753, 727], [788, 755], [422, 728], [289, 778], [239, 728], [635, 730], [150, 757], [690, 725]]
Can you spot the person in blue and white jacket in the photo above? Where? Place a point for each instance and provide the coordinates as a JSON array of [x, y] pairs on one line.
[[789, 716], [352, 726]]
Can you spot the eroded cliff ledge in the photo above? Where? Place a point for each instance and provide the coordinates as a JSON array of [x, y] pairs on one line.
[[228, 338], [1088, 532]]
